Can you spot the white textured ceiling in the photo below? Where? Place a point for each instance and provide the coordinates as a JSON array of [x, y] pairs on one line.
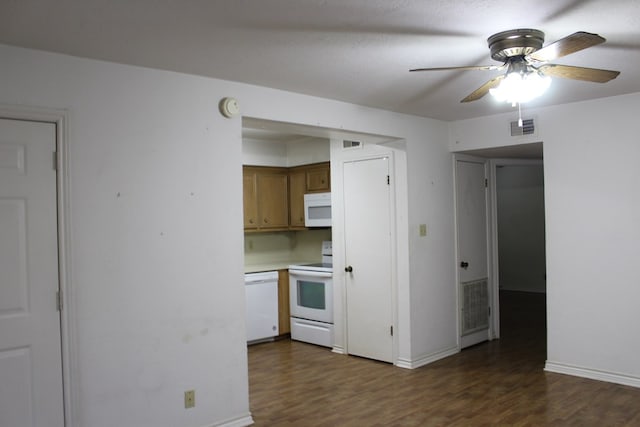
[[357, 51]]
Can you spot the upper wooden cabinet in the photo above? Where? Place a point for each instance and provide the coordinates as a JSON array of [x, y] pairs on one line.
[[317, 177], [250, 198], [297, 188], [318, 180], [313, 178], [266, 198], [274, 197]]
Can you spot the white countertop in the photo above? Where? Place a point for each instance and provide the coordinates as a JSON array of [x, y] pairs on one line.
[[275, 265]]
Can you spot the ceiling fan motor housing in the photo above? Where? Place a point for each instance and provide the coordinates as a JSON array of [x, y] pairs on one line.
[[513, 43]]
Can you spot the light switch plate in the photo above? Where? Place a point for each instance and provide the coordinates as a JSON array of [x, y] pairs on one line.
[[423, 230], [189, 399]]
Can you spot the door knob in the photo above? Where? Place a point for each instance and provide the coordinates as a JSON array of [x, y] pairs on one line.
[[348, 269], [464, 264]]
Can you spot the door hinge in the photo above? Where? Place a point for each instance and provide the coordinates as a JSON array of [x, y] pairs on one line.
[[489, 311], [486, 183], [59, 300], [388, 180], [391, 330]]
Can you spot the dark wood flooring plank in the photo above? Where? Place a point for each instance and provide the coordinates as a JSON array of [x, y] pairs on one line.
[[498, 383]]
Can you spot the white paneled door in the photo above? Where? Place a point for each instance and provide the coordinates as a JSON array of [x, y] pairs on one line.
[[471, 221], [368, 259], [30, 347]]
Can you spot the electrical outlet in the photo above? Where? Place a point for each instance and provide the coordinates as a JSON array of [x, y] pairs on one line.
[[189, 399]]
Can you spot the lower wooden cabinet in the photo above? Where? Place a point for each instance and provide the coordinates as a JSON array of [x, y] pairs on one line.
[[284, 313]]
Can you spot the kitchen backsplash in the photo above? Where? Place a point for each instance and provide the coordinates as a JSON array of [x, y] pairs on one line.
[[289, 246]]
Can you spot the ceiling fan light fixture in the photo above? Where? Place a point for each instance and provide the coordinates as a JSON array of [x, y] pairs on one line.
[[529, 72], [520, 87]]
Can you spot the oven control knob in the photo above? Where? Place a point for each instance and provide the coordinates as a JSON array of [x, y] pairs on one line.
[[348, 269]]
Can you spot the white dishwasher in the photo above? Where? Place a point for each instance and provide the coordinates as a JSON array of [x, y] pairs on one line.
[[262, 305]]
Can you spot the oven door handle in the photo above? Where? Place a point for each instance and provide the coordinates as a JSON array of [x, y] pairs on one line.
[[306, 273]]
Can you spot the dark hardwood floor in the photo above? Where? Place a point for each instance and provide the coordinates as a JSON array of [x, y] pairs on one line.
[[497, 383]]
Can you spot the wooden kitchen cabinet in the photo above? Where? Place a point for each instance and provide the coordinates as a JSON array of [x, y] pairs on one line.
[[250, 199], [274, 197], [313, 178], [318, 178], [273, 200], [297, 188], [284, 314], [266, 198]]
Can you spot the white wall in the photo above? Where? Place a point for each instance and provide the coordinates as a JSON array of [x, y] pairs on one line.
[[264, 153], [520, 212], [285, 154], [155, 198], [157, 296], [592, 204], [432, 267], [308, 151]]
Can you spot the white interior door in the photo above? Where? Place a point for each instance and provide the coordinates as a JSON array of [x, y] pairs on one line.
[[471, 220], [30, 348], [368, 256]]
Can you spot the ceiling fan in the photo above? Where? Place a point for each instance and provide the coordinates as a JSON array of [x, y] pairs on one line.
[[524, 58]]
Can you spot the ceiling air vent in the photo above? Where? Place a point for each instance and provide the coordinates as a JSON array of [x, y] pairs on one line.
[[527, 128], [348, 144]]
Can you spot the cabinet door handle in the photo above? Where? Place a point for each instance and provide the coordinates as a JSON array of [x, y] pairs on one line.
[[348, 269]]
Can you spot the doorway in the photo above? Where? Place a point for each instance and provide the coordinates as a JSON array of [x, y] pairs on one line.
[[521, 236], [520, 253], [345, 146]]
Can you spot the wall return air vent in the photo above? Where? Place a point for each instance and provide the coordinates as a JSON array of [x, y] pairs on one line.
[[527, 128], [348, 144], [475, 306]]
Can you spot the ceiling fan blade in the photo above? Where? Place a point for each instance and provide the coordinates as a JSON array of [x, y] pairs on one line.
[[468, 68], [484, 89], [570, 44], [578, 73]]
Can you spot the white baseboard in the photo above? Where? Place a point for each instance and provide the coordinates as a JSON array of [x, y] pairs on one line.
[[425, 360], [338, 349], [241, 421], [593, 374]]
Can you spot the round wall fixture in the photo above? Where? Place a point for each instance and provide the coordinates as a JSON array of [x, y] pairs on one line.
[[229, 107]]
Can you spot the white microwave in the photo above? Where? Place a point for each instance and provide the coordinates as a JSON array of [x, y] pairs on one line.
[[317, 210]]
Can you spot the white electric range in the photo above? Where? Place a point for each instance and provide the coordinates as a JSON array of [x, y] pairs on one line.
[[311, 300]]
